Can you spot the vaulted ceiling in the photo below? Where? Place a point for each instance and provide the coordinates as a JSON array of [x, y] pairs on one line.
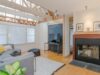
[[67, 6], [60, 7], [36, 11]]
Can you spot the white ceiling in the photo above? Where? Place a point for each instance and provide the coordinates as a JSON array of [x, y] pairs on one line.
[[67, 6]]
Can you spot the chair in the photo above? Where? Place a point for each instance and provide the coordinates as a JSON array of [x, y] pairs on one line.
[[35, 51]]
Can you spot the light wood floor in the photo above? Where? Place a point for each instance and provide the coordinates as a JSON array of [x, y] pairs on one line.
[[67, 69]]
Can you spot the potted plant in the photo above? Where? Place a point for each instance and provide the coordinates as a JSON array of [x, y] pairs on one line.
[[13, 69]]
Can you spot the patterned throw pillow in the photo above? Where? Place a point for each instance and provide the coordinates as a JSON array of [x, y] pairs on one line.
[[2, 49]]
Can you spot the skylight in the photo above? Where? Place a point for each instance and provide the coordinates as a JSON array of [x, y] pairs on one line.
[[10, 15], [2, 14], [19, 2], [24, 3], [7, 7], [24, 8], [14, 16]]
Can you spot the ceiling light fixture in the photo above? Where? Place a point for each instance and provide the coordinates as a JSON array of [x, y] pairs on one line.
[[56, 14], [86, 5]]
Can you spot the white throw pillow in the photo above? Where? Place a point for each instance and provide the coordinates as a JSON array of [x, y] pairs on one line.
[[8, 47]]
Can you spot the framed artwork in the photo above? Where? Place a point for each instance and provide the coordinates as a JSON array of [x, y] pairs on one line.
[[96, 26], [79, 27]]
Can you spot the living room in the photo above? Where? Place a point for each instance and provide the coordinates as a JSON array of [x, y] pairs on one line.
[[43, 38]]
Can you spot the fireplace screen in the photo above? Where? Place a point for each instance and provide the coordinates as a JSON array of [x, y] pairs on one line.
[[88, 51]]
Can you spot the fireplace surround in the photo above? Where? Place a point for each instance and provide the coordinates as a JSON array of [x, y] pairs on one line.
[[87, 48]]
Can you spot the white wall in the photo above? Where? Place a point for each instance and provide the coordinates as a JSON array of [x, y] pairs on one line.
[[66, 37], [25, 47], [71, 38], [41, 35], [86, 17]]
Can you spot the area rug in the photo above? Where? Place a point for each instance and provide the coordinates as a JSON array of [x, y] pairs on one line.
[[46, 66]]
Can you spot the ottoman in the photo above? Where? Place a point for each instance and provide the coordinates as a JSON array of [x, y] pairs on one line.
[[35, 51]]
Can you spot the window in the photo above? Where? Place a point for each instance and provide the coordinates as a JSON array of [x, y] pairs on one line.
[[12, 0], [9, 15], [18, 1], [23, 18], [18, 17], [30, 35], [9, 0], [17, 34], [14, 34], [2, 13], [3, 34], [24, 3], [30, 19], [33, 5], [28, 3]]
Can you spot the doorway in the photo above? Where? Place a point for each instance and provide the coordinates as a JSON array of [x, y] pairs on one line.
[[55, 38]]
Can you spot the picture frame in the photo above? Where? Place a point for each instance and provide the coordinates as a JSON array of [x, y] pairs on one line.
[[96, 26], [79, 27]]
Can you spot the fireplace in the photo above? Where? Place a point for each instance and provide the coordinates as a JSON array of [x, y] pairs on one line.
[[88, 51], [87, 48]]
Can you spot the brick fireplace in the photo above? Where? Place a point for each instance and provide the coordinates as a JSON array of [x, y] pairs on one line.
[[87, 48]]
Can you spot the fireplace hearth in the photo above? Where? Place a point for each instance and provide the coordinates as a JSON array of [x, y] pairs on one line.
[[87, 48]]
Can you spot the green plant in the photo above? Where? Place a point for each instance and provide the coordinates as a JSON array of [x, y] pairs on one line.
[[3, 72], [13, 69]]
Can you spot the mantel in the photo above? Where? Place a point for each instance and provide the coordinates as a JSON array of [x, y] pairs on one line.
[[86, 35], [87, 32]]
